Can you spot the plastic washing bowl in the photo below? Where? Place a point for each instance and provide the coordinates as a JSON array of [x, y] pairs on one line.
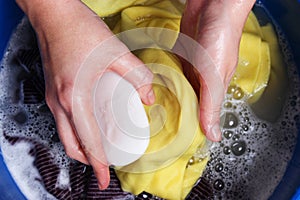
[[285, 12]]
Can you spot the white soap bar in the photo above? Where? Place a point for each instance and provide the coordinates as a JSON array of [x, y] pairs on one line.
[[122, 120]]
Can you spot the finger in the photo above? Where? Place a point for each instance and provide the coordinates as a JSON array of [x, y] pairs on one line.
[[68, 137], [134, 70], [101, 172], [90, 138], [211, 98]]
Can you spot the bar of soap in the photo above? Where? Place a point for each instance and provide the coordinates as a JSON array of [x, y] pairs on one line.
[[121, 117]]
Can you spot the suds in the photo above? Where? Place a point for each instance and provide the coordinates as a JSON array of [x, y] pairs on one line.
[[253, 155]]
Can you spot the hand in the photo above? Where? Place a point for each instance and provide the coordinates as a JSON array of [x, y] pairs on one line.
[[68, 32], [217, 27]]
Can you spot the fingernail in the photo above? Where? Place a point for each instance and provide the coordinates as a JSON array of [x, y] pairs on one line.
[[100, 186], [151, 97], [103, 180], [216, 133]]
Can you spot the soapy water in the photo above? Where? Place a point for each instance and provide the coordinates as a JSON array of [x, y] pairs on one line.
[[248, 163], [253, 155]]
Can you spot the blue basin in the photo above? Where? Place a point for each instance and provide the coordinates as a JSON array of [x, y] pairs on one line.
[[285, 12]]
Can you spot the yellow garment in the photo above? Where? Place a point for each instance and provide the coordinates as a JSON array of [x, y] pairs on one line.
[[261, 71], [253, 70], [270, 103], [105, 8], [174, 180], [252, 26], [175, 95]]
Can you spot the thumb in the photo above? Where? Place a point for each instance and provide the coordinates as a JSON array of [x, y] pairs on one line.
[[134, 70], [212, 93], [211, 98], [213, 85]]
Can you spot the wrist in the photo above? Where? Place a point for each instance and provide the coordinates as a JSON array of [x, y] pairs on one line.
[[36, 9], [240, 10], [54, 20], [45, 14], [235, 13]]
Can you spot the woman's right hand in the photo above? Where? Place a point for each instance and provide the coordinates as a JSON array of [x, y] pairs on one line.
[[68, 32], [217, 27]]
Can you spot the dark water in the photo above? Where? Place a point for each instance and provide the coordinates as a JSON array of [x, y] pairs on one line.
[[252, 157]]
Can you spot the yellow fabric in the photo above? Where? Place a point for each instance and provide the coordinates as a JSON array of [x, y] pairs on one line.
[[105, 8], [175, 95], [278, 77], [252, 26], [174, 180], [254, 66], [261, 71], [270, 103], [253, 71]]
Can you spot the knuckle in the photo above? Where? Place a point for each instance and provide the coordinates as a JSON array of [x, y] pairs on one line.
[[147, 76], [60, 96], [88, 151], [50, 100], [73, 152], [70, 152], [64, 96]]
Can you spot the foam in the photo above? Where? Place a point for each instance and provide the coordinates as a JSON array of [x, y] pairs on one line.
[[63, 180], [256, 169], [20, 165], [269, 146], [37, 125]]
